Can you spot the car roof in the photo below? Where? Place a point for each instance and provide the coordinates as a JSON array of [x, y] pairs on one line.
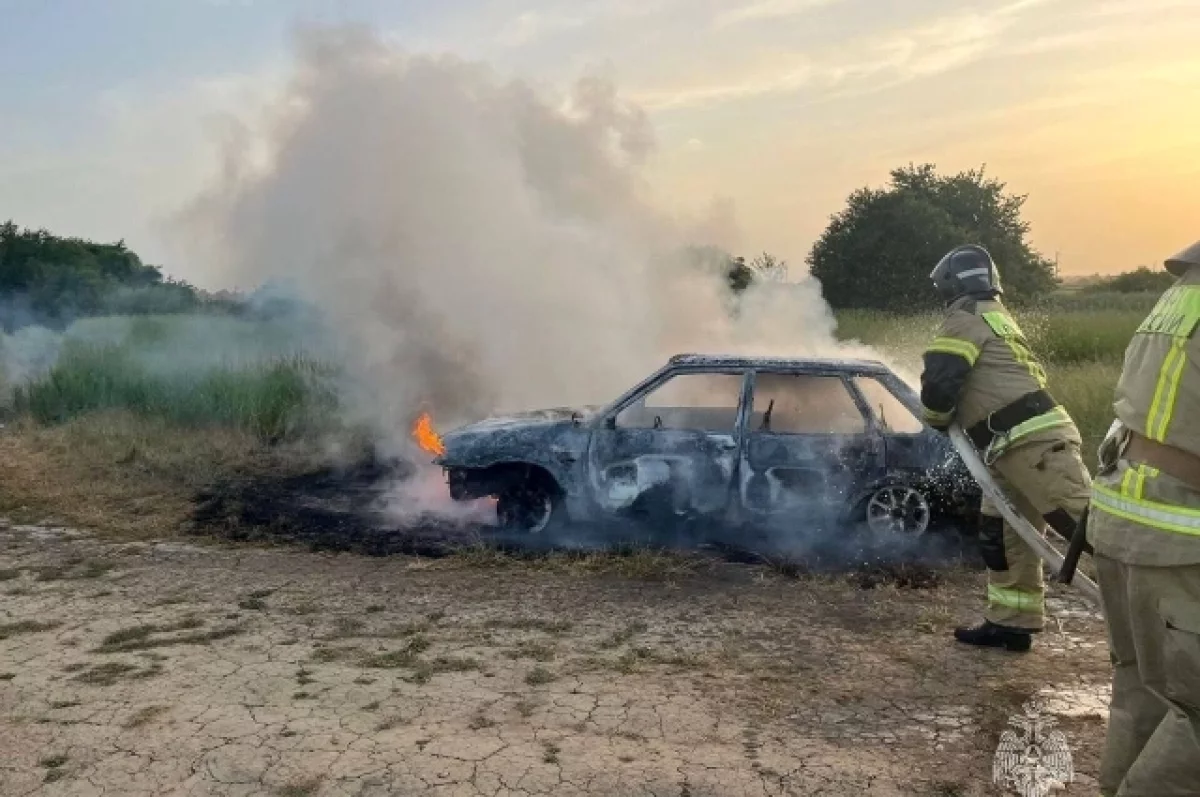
[[779, 363]]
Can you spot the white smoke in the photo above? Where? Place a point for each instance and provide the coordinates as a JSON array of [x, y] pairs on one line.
[[477, 246]]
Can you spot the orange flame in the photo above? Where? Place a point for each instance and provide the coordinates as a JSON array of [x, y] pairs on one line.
[[426, 437]]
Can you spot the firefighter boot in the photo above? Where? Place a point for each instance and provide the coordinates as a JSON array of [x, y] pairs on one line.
[[990, 635]]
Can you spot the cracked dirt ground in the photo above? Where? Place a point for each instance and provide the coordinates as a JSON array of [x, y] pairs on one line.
[[165, 668]]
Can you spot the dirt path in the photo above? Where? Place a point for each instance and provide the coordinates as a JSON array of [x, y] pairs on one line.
[[130, 669]]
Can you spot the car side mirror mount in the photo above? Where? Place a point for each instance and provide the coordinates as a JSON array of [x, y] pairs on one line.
[[610, 422]]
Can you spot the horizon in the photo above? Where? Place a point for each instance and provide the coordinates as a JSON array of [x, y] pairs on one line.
[[772, 111]]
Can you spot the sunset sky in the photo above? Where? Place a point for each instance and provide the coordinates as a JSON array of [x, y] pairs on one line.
[[112, 108]]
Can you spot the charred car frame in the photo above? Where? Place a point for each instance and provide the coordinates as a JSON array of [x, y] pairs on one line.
[[723, 443]]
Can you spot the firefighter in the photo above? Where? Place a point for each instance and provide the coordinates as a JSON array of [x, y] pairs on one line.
[[1144, 528], [980, 372]]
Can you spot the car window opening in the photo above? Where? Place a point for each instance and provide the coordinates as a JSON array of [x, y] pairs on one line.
[[696, 402], [804, 404]]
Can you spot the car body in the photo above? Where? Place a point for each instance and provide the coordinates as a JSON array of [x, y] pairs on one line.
[[724, 442]]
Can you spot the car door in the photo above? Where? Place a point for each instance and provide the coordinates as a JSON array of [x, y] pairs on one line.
[[670, 450], [808, 447]]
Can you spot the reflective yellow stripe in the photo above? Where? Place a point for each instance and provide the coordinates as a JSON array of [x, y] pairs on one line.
[[1025, 358], [1047, 420], [1007, 330], [1003, 324], [1159, 417], [1139, 482], [1173, 394], [1164, 517], [1176, 314], [1133, 483], [963, 348], [1014, 598], [937, 417], [1127, 482], [1173, 365]]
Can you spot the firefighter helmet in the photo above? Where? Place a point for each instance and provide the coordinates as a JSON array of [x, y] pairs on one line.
[[1188, 258], [966, 270]]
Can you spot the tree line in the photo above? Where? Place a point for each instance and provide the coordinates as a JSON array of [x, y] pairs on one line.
[[50, 280], [876, 253]]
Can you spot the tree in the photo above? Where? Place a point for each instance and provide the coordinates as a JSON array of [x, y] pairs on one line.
[[50, 280], [737, 273], [770, 268], [878, 251]]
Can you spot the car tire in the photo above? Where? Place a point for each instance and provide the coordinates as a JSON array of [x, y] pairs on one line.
[[898, 508], [528, 508]]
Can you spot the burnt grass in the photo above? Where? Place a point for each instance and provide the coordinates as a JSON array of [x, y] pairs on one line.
[[331, 509], [342, 509]]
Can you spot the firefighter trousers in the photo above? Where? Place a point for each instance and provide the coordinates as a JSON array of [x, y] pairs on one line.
[[1153, 745], [1049, 484]]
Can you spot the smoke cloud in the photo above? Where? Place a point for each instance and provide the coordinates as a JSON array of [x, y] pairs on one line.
[[477, 246]]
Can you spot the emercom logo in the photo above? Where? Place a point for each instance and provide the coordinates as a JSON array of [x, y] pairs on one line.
[[1033, 760]]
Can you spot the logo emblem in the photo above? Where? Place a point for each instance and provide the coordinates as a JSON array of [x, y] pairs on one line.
[[1035, 759]]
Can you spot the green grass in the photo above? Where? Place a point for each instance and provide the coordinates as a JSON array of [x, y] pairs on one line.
[[1080, 337], [1091, 301], [195, 371], [1086, 390], [271, 399]]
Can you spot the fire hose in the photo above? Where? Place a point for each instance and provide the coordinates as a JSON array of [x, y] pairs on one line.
[[1040, 545]]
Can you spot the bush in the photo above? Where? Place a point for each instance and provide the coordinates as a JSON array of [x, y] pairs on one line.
[[1141, 280]]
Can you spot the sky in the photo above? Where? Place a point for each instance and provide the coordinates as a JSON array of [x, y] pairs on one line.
[[113, 112]]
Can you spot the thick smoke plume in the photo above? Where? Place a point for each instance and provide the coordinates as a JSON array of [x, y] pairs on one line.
[[477, 246]]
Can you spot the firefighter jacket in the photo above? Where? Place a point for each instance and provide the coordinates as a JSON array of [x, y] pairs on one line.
[[980, 372], [1150, 517]]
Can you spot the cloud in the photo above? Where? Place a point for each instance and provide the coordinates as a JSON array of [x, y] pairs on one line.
[[952, 41], [532, 25], [768, 9], [932, 47], [1111, 8], [785, 79]]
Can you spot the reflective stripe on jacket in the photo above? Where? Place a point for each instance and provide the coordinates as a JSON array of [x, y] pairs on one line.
[[1158, 394], [1142, 516], [979, 362]]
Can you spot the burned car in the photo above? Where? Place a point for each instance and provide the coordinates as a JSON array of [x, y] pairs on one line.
[[722, 443]]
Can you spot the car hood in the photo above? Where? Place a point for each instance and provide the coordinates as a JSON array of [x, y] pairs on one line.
[[503, 436], [532, 418]]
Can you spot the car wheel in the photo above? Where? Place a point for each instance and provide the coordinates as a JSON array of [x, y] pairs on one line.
[[898, 509], [527, 508]]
